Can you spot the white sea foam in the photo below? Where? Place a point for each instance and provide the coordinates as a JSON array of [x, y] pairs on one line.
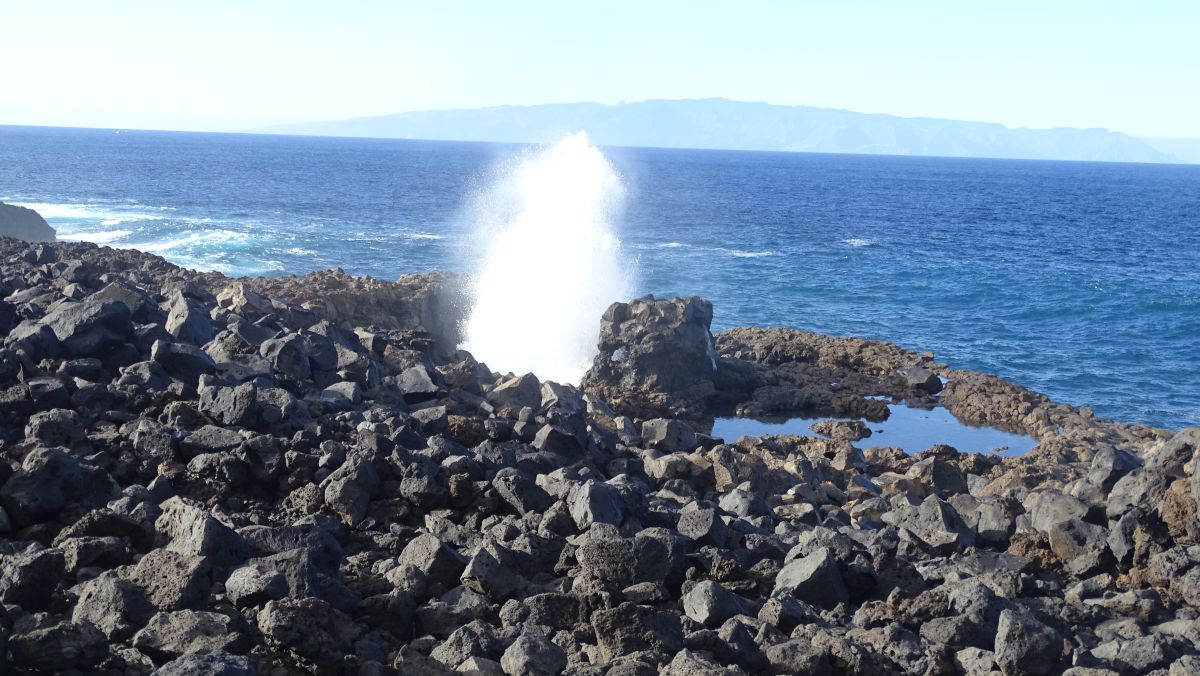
[[671, 245], [858, 242], [98, 237], [549, 262], [206, 238], [739, 253], [424, 235]]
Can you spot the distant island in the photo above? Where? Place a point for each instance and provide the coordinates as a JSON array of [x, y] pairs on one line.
[[738, 125]]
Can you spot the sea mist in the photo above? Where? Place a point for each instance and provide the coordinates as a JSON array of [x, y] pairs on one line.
[[549, 262]]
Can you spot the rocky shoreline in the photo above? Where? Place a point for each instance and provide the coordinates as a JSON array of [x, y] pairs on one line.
[[204, 475]]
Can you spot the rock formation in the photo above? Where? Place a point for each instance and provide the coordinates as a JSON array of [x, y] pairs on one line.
[[201, 475], [24, 224]]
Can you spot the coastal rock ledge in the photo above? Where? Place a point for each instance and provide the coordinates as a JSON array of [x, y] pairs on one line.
[[24, 224], [205, 475]]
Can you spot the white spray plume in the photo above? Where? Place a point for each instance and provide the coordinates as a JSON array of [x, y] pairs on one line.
[[550, 262]]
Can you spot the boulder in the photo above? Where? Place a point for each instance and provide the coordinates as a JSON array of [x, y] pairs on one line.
[[91, 326], [309, 629], [1026, 646], [24, 224], [533, 655], [182, 632], [116, 606], [631, 628], [814, 579], [711, 604], [668, 435], [655, 356], [58, 648]]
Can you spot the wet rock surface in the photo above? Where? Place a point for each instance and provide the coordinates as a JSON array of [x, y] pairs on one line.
[[201, 475]]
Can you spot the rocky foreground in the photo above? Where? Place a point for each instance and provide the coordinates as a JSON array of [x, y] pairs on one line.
[[302, 475]]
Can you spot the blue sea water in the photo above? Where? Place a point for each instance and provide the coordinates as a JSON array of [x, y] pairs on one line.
[[1079, 280]]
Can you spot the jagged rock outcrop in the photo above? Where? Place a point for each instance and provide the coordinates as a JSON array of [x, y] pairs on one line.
[[431, 301], [656, 356], [24, 224]]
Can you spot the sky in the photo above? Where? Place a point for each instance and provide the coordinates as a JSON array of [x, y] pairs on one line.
[[223, 65]]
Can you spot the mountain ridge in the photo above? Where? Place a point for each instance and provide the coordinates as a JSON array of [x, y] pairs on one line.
[[718, 123]]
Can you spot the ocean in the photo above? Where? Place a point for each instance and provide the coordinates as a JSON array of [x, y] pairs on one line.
[[1078, 280]]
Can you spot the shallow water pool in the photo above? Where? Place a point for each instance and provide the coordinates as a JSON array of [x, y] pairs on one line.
[[908, 428]]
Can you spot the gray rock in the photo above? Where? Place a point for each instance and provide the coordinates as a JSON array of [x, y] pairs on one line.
[[148, 375], [417, 385], [668, 435], [212, 439], [91, 326], [310, 629], [173, 581], [711, 604], [1138, 655], [24, 224], [510, 396], [49, 480], [556, 439], [629, 628], [658, 355], [171, 634], [188, 320], [1109, 465], [1050, 508], [56, 427], [289, 358], [229, 406], [688, 663], [216, 664], [439, 563], [621, 560], [350, 489], [474, 639], [1139, 488], [28, 578], [193, 531], [921, 379], [814, 579], [518, 490], [181, 361], [1026, 646], [592, 502], [58, 648], [705, 526], [744, 503], [117, 607], [533, 655], [142, 307], [566, 398], [492, 572]]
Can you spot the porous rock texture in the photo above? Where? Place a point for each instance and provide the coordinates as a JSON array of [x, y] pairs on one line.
[[288, 486]]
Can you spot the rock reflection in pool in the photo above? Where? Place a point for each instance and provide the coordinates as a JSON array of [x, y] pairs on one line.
[[908, 428]]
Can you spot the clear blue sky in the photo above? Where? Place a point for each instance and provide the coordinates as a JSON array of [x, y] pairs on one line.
[[226, 65]]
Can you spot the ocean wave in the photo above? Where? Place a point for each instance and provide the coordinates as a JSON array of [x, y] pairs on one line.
[[107, 215], [858, 242], [740, 253], [98, 237], [423, 235], [671, 245], [207, 238]]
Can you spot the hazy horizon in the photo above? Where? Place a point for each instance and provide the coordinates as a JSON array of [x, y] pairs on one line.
[[230, 66]]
